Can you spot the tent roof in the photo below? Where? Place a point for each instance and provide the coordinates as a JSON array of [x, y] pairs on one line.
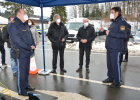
[[51, 3]]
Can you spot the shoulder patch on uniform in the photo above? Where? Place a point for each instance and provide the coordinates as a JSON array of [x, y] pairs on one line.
[[24, 30], [122, 28]]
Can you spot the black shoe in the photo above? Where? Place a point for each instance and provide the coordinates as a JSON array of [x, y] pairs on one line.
[[79, 70], [23, 94], [87, 70], [30, 89], [4, 65], [125, 60], [108, 80], [63, 70], [15, 74], [115, 85], [53, 71], [33, 96]]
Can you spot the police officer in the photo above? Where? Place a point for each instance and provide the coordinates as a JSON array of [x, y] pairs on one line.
[[116, 35], [22, 45], [86, 35], [58, 34]]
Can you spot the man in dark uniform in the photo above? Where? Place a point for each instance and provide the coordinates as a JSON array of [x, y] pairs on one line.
[[58, 34], [86, 35], [22, 45], [116, 35]]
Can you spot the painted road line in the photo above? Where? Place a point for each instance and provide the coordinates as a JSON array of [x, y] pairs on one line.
[[10, 93], [94, 81], [58, 94], [64, 95]]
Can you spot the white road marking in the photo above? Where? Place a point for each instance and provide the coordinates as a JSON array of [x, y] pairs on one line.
[[64, 95], [60, 95], [10, 93], [94, 81]]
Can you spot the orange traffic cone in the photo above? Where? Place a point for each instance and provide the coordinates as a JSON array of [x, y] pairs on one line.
[[33, 67]]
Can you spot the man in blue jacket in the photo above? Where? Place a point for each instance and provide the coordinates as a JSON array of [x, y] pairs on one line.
[[22, 45], [116, 35]]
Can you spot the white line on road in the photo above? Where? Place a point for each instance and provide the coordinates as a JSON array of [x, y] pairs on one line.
[[94, 81]]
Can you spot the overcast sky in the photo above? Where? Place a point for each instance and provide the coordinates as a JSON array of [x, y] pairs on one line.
[[46, 11]]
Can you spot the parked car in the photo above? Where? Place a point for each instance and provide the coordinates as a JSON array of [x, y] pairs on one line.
[[137, 37], [133, 33], [40, 31], [73, 26]]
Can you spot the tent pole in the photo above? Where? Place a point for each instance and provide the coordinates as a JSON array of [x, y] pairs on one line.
[[42, 23], [43, 71]]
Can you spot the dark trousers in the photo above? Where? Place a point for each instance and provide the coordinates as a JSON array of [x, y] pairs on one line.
[[114, 60], [126, 50], [2, 50], [126, 55], [81, 56], [55, 54], [23, 74]]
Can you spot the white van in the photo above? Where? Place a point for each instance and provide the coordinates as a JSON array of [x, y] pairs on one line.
[[73, 26]]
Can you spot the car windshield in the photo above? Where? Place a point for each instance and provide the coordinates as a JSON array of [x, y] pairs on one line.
[[74, 26], [138, 33]]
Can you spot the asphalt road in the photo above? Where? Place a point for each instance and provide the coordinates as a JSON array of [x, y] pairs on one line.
[[73, 85]]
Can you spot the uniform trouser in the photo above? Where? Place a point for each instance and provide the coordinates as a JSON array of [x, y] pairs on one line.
[[23, 74], [61, 54], [81, 56], [2, 50], [114, 59]]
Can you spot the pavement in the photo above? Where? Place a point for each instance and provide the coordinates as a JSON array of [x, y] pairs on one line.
[[72, 85]]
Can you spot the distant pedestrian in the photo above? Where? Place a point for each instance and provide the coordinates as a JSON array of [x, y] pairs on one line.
[[5, 36], [33, 29], [2, 50]]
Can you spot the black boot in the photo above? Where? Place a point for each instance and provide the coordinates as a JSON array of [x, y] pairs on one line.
[[30, 89], [108, 80], [79, 69], [53, 71], [63, 70], [115, 85], [87, 70], [125, 60]]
